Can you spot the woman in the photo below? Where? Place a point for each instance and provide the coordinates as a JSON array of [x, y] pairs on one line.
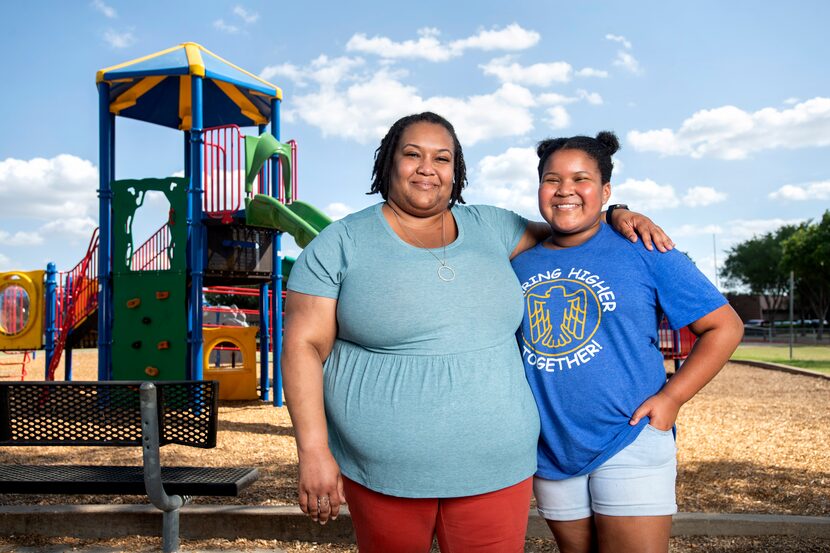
[[400, 364]]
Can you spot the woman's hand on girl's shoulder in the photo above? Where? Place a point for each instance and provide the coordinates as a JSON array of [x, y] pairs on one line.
[[631, 224]]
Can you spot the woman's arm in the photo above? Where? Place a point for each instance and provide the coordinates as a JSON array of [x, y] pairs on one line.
[[719, 333], [310, 330], [628, 223]]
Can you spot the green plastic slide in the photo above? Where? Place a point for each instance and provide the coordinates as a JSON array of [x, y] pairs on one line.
[[301, 220], [258, 149]]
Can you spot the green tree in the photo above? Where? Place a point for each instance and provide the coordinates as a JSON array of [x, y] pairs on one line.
[[756, 265], [807, 253]]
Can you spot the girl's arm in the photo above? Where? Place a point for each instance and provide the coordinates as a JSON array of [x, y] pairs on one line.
[[310, 330], [719, 333], [628, 223]]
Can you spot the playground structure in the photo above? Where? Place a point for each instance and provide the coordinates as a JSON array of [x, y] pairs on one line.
[[142, 305]]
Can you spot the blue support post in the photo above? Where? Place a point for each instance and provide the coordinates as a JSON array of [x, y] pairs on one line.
[[106, 131], [264, 326], [51, 294], [67, 364], [195, 235], [276, 283]]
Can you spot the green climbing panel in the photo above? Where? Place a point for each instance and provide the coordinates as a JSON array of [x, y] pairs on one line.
[[149, 334]]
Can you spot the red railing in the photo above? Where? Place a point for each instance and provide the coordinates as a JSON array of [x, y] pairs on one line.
[[27, 358], [236, 291], [675, 344], [223, 176], [154, 254], [77, 296]]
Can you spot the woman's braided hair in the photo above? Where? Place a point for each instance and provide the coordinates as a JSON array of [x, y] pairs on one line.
[[385, 155]]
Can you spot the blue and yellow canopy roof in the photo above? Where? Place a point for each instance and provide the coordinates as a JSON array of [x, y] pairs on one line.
[[156, 89]]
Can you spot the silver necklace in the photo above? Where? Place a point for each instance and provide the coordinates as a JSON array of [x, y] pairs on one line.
[[445, 272]]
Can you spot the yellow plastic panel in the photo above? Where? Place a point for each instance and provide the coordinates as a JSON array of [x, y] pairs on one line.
[[21, 310], [238, 382]]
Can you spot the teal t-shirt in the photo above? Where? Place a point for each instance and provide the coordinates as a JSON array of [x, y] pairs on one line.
[[425, 392]]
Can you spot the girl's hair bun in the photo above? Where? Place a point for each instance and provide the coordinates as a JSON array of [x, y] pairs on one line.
[[610, 141]]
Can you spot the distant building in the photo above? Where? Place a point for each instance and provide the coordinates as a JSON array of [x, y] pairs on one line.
[[753, 307]]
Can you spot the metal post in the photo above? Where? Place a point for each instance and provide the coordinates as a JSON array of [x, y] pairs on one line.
[[276, 281], [51, 315], [195, 240], [105, 143], [792, 294], [169, 504]]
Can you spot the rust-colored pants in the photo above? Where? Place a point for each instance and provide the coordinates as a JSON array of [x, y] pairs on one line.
[[494, 522]]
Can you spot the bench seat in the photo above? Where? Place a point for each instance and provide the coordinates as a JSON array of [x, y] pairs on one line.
[[121, 480]]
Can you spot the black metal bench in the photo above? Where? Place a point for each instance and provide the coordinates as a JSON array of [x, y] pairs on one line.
[[117, 414]]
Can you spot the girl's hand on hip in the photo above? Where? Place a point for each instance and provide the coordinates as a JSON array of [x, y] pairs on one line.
[[661, 409]]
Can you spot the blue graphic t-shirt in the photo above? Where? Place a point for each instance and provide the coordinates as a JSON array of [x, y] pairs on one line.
[[590, 343]]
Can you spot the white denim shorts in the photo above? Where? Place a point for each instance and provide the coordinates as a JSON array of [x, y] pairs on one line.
[[637, 481]]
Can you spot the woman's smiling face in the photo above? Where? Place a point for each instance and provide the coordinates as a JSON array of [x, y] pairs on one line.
[[571, 196], [422, 174]]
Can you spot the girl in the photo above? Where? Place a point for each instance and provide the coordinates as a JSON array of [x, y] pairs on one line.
[[589, 341]]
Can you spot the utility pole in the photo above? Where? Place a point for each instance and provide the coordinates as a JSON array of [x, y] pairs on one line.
[[715, 256]]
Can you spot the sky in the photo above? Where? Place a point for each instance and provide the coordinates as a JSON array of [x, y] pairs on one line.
[[722, 108]]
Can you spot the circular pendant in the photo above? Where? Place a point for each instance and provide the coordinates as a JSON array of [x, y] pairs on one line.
[[446, 273]]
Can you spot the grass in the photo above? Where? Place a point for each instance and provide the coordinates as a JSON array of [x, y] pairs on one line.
[[805, 357]]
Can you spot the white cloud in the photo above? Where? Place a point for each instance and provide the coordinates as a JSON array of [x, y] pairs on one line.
[[428, 46], [556, 99], [246, 16], [700, 196], [225, 27], [619, 38], [558, 117], [619, 166], [819, 190], [5, 263], [729, 132], [695, 230], [538, 74], [105, 9], [591, 72], [338, 210], [363, 111], [115, 39], [743, 229], [628, 62], [77, 227], [322, 70], [48, 188], [645, 194], [507, 180], [592, 98], [791, 101], [511, 38], [20, 238]]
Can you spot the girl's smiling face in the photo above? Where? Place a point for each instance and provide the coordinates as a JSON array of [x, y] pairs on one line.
[[571, 196]]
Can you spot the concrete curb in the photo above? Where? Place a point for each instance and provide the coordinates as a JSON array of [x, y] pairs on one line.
[[782, 368], [288, 523]]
